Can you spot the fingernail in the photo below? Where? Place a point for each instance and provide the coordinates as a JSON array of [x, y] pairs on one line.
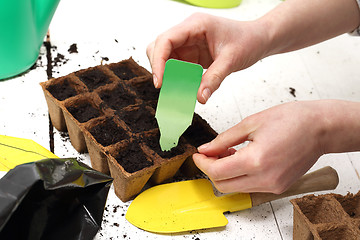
[[155, 81], [203, 147], [206, 94]]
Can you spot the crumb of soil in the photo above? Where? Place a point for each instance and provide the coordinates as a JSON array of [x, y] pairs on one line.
[[73, 48]]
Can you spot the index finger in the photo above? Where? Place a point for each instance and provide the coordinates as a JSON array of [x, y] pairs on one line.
[[164, 46], [218, 169]]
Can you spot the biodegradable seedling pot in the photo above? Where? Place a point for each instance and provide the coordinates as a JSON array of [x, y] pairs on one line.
[[328, 216], [108, 109]]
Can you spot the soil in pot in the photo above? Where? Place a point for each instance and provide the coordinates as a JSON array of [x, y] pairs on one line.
[[93, 78], [108, 133], [62, 90], [198, 135], [146, 90], [132, 158], [84, 112], [139, 120], [117, 98], [153, 142], [122, 71]]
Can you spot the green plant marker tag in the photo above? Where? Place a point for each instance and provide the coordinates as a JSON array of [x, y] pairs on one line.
[[177, 99]]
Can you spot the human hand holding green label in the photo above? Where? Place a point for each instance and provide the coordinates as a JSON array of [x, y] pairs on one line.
[[177, 99]]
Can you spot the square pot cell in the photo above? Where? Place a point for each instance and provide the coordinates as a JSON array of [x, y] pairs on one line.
[[139, 119], [117, 98], [152, 141], [84, 111], [93, 78], [62, 90], [351, 204], [108, 132], [199, 132], [320, 210], [123, 71], [132, 158], [146, 90]]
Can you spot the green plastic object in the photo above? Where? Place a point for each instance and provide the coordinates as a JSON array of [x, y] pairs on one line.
[[23, 25], [177, 100]]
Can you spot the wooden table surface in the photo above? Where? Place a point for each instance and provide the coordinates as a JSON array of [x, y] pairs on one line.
[[112, 30]]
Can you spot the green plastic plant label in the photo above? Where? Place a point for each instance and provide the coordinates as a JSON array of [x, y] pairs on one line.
[[177, 100]]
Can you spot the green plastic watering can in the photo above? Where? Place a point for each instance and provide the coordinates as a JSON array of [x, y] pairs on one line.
[[23, 25]]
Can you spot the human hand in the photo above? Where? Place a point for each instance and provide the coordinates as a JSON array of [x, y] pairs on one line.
[[220, 45], [284, 142]]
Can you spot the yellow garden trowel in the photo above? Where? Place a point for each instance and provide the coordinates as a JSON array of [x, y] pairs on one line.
[[15, 151], [177, 99], [191, 205]]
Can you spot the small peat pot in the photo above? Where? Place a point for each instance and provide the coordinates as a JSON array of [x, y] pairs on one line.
[[328, 216], [109, 111]]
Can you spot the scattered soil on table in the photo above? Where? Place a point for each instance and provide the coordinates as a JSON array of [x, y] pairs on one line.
[[154, 144], [59, 60], [132, 158], [62, 91], [38, 63], [117, 98], [139, 120], [73, 48], [123, 71], [47, 45], [292, 91], [146, 90], [108, 133], [84, 112], [93, 78]]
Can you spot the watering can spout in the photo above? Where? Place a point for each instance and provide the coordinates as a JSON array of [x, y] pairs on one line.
[[44, 11]]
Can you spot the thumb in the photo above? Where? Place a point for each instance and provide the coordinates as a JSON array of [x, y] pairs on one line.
[[213, 77]]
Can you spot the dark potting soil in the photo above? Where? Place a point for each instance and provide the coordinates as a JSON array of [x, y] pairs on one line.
[[73, 48], [117, 98], [197, 135], [62, 91], [93, 78], [60, 60], [139, 120], [84, 112], [152, 103], [123, 71], [292, 91], [108, 133], [132, 158], [153, 143], [146, 91]]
